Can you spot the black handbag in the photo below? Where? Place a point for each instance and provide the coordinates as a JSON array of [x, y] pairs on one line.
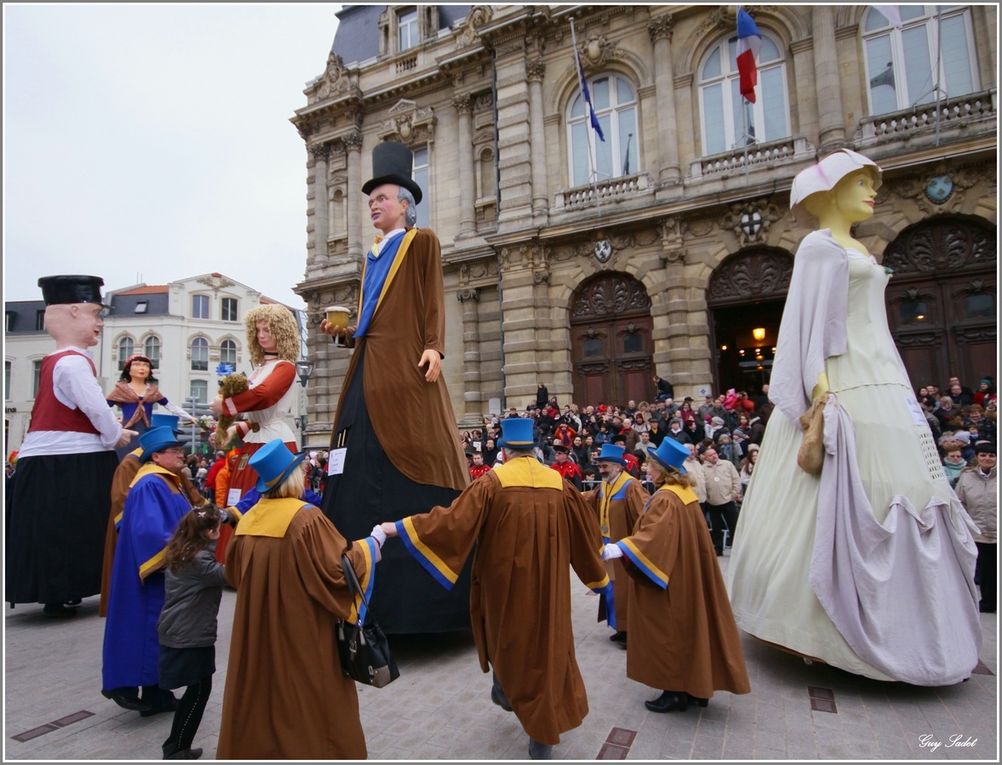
[[363, 648]]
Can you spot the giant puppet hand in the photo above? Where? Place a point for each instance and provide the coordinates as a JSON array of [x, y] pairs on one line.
[[611, 551], [389, 528], [434, 362], [127, 435]]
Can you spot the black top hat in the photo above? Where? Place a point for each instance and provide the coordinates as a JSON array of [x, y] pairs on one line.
[[392, 163], [57, 290]]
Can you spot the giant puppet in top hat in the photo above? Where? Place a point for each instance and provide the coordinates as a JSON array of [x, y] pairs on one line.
[[71, 288], [392, 163]]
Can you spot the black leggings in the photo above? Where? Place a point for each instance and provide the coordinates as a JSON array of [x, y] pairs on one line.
[[188, 714]]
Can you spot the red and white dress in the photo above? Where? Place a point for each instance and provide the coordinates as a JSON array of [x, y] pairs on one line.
[[267, 403]]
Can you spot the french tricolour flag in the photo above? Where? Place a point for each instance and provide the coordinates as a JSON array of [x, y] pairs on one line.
[[749, 41]]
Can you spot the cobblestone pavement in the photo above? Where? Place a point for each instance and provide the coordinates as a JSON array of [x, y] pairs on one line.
[[440, 707]]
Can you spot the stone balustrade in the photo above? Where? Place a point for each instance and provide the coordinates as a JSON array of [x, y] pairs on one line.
[[754, 157], [958, 112], [612, 189]]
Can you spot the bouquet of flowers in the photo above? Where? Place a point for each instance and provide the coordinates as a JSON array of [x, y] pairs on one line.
[[229, 386], [205, 422]]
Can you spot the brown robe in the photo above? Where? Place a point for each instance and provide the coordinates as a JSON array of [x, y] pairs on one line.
[[682, 632], [530, 527], [413, 419], [120, 483], [616, 522], [286, 696]]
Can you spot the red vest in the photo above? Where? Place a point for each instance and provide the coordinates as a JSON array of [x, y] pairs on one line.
[[49, 413]]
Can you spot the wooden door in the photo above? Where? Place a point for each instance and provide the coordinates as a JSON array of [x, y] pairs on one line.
[[611, 342]]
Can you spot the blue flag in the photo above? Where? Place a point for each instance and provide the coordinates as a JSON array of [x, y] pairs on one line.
[[587, 97]]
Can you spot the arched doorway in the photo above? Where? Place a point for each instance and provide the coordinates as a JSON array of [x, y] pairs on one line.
[[941, 299], [745, 300], [611, 341]]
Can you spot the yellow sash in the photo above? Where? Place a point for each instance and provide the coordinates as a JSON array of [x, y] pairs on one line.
[[398, 260], [526, 471], [269, 517], [685, 494], [173, 479]]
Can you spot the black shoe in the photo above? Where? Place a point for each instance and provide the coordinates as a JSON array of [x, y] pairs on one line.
[[619, 637], [57, 609], [126, 699], [669, 701], [697, 701], [538, 751], [184, 754], [498, 697], [72, 603]]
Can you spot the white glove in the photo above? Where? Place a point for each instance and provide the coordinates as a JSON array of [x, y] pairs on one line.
[[379, 535], [611, 551]]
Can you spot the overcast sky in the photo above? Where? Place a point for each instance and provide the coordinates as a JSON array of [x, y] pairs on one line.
[[149, 143]]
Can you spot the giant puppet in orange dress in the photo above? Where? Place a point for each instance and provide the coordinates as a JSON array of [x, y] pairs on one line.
[[273, 340]]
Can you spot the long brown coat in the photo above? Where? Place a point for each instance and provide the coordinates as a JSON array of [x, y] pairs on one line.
[[530, 527], [682, 632], [615, 521], [286, 696], [413, 419]]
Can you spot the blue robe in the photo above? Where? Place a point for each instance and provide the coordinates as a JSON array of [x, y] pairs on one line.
[[153, 508]]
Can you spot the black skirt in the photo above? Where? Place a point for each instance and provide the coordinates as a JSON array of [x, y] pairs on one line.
[[57, 513], [180, 667], [405, 599]]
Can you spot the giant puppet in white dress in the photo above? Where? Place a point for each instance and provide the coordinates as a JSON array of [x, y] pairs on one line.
[[869, 566]]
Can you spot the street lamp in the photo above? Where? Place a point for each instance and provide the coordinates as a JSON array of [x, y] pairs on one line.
[[304, 368]]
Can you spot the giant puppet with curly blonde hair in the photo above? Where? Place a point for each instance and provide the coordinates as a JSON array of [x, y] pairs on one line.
[[273, 340]]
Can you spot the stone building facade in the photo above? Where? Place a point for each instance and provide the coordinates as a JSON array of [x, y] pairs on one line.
[[590, 265]]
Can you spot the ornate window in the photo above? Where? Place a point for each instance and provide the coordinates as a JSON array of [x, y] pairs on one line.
[[200, 306], [615, 102], [6, 380], [151, 349], [228, 309], [228, 352], [36, 376], [419, 172], [199, 391], [126, 347], [200, 354], [407, 29], [931, 55], [728, 121]]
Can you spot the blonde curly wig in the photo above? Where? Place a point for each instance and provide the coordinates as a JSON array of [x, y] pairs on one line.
[[283, 328]]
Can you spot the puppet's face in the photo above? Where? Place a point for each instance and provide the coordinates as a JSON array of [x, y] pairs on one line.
[[265, 339], [77, 324], [139, 371], [854, 196]]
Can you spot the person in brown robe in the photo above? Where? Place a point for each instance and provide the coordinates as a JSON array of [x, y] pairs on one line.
[[617, 503], [530, 526], [286, 696], [395, 432], [683, 638]]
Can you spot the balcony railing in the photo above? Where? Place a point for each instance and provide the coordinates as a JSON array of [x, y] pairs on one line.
[[610, 190], [957, 112], [756, 156]]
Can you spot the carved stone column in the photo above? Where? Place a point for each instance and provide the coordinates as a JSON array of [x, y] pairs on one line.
[[472, 402], [660, 30], [467, 181], [534, 71], [320, 220], [353, 145], [683, 115], [831, 122]]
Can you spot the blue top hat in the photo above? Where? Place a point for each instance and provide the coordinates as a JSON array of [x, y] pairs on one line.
[[516, 433], [612, 453], [671, 454], [156, 440], [274, 463], [165, 421]]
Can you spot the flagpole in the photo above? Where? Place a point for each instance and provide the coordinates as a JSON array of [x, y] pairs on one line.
[[744, 131], [592, 172], [939, 62]]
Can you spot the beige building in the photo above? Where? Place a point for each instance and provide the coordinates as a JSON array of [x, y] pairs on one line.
[[187, 328], [590, 265]]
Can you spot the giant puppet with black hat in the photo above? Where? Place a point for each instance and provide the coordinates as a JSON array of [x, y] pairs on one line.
[[395, 449], [61, 493], [877, 551]]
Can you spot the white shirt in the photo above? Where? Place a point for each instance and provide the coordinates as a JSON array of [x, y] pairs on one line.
[[75, 386]]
